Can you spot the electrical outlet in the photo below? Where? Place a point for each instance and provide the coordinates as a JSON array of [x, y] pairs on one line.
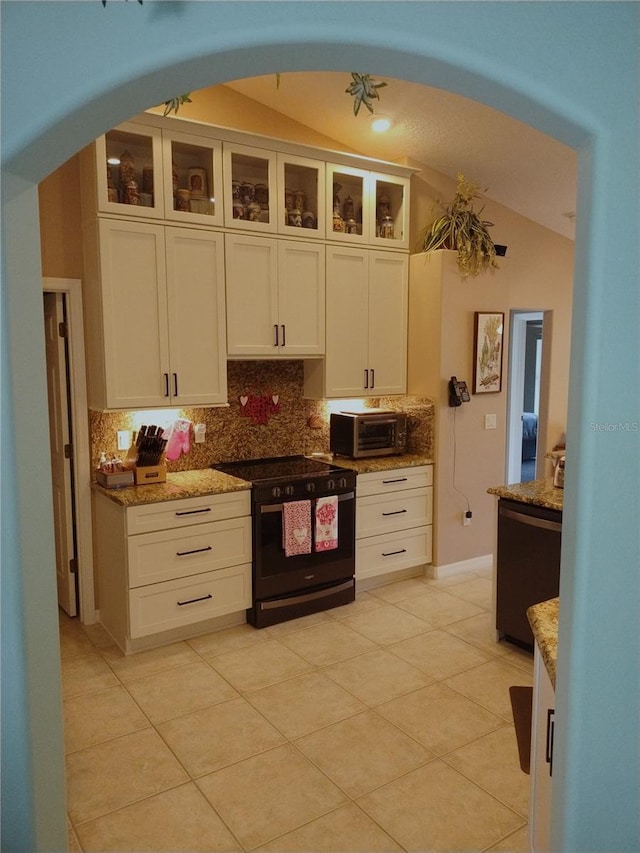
[[124, 439], [466, 518]]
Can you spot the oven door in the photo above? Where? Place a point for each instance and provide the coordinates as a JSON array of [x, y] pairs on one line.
[[275, 574], [375, 436]]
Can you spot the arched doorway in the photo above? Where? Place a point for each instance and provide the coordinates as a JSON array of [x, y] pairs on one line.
[[198, 44]]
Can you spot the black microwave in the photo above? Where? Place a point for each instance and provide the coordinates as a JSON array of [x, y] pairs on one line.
[[372, 433]]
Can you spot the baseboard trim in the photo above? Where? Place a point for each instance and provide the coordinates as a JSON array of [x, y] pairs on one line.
[[475, 564]]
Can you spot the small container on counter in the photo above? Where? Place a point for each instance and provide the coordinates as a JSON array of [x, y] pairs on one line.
[[558, 474]]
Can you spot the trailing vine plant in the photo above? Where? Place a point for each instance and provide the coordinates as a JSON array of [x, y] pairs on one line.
[[461, 229]]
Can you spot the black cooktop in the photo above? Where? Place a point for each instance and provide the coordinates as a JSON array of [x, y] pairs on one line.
[[277, 468]]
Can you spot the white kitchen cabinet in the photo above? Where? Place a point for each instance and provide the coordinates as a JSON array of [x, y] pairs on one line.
[[301, 189], [177, 176], [275, 297], [541, 764], [366, 335], [247, 171], [169, 566], [155, 315], [393, 520], [367, 207]]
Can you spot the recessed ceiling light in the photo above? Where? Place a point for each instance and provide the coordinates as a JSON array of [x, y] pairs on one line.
[[380, 124]]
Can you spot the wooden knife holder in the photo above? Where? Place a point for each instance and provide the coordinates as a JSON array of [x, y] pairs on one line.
[[150, 474]]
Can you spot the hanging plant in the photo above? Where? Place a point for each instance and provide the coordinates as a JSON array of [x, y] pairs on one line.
[[364, 91], [461, 229], [174, 104]]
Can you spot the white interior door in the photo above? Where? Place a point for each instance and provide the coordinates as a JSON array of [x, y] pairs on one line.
[[60, 439]]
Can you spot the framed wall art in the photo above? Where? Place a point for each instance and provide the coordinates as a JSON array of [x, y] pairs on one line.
[[487, 349]]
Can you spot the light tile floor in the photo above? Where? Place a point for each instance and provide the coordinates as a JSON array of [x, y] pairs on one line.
[[384, 725]]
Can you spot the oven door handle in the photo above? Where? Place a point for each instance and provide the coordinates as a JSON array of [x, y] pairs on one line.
[[309, 596], [348, 496]]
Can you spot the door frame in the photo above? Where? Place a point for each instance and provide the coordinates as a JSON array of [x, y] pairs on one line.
[[517, 340], [72, 289]]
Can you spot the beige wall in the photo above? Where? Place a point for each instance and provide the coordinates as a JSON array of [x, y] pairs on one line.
[[536, 274]]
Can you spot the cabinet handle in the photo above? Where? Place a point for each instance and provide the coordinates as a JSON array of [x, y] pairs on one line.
[[284, 340], [175, 384], [275, 326], [373, 378], [550, 732], [193, 600], [195, 551], [399, 480], [396, 512], [166, 384], [193, 511], [366, 378], [392, 553]]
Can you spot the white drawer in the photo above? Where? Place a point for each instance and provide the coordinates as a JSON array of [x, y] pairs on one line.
[[378, 514], [171, 554], [378, 555], [172, 514], [172, 604], [382, 482]]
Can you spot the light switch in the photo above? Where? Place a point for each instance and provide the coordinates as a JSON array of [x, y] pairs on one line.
[[199, 432], [489, 421]]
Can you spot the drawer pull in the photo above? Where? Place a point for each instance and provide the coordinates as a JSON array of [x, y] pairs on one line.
[[193, 600], [195, 551], [399, 480], [392, 553], [397, 512], [193, 511]]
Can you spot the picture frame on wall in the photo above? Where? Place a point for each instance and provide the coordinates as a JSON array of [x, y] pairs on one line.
[[487, 350]]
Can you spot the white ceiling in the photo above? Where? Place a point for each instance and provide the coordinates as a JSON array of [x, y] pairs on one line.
[[521, 168]]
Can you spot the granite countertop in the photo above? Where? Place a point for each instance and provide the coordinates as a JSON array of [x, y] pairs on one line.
[[383, 463], [543, 619], [207, 481], [179, 485], [536, 492]]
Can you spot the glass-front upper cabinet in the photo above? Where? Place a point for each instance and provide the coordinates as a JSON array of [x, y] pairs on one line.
[[347, 209], [250, 197], [192, 172], [388, 212], [129, 171], [301, 196]]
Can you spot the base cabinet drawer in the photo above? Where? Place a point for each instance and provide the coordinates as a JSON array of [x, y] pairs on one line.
[[172, 604], [378, 555], [183, 513], [171, 554], [378, 514], [384, 482]]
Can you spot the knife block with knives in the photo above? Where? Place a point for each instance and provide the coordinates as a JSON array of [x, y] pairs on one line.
[[147, 454]]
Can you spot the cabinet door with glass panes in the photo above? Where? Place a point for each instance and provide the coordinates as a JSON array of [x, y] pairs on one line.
[[128, 182], [301, 196], [388, 214], [250, 198], [347, 207], [192, 171]]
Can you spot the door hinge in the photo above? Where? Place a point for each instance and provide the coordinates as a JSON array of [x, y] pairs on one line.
[[68, 451], [63, 330], [73, 566]]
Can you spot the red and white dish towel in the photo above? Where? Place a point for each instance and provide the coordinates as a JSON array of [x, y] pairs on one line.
[[327, 523], [296, 527]]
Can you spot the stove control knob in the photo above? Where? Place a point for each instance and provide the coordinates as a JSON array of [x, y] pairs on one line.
[[276, 491], [310, 487], [289, 490], [331, 484], [342, 483]]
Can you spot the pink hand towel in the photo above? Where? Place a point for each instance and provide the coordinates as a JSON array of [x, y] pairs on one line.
[[327, 523], [296, 527]]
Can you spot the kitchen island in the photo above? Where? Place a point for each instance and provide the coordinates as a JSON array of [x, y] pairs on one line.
[[536, 492]]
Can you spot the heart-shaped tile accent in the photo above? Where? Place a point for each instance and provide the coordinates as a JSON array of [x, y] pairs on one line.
[[244, 400], [275, 398]]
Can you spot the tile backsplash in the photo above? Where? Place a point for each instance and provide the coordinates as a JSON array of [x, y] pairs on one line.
[[275, 419]]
